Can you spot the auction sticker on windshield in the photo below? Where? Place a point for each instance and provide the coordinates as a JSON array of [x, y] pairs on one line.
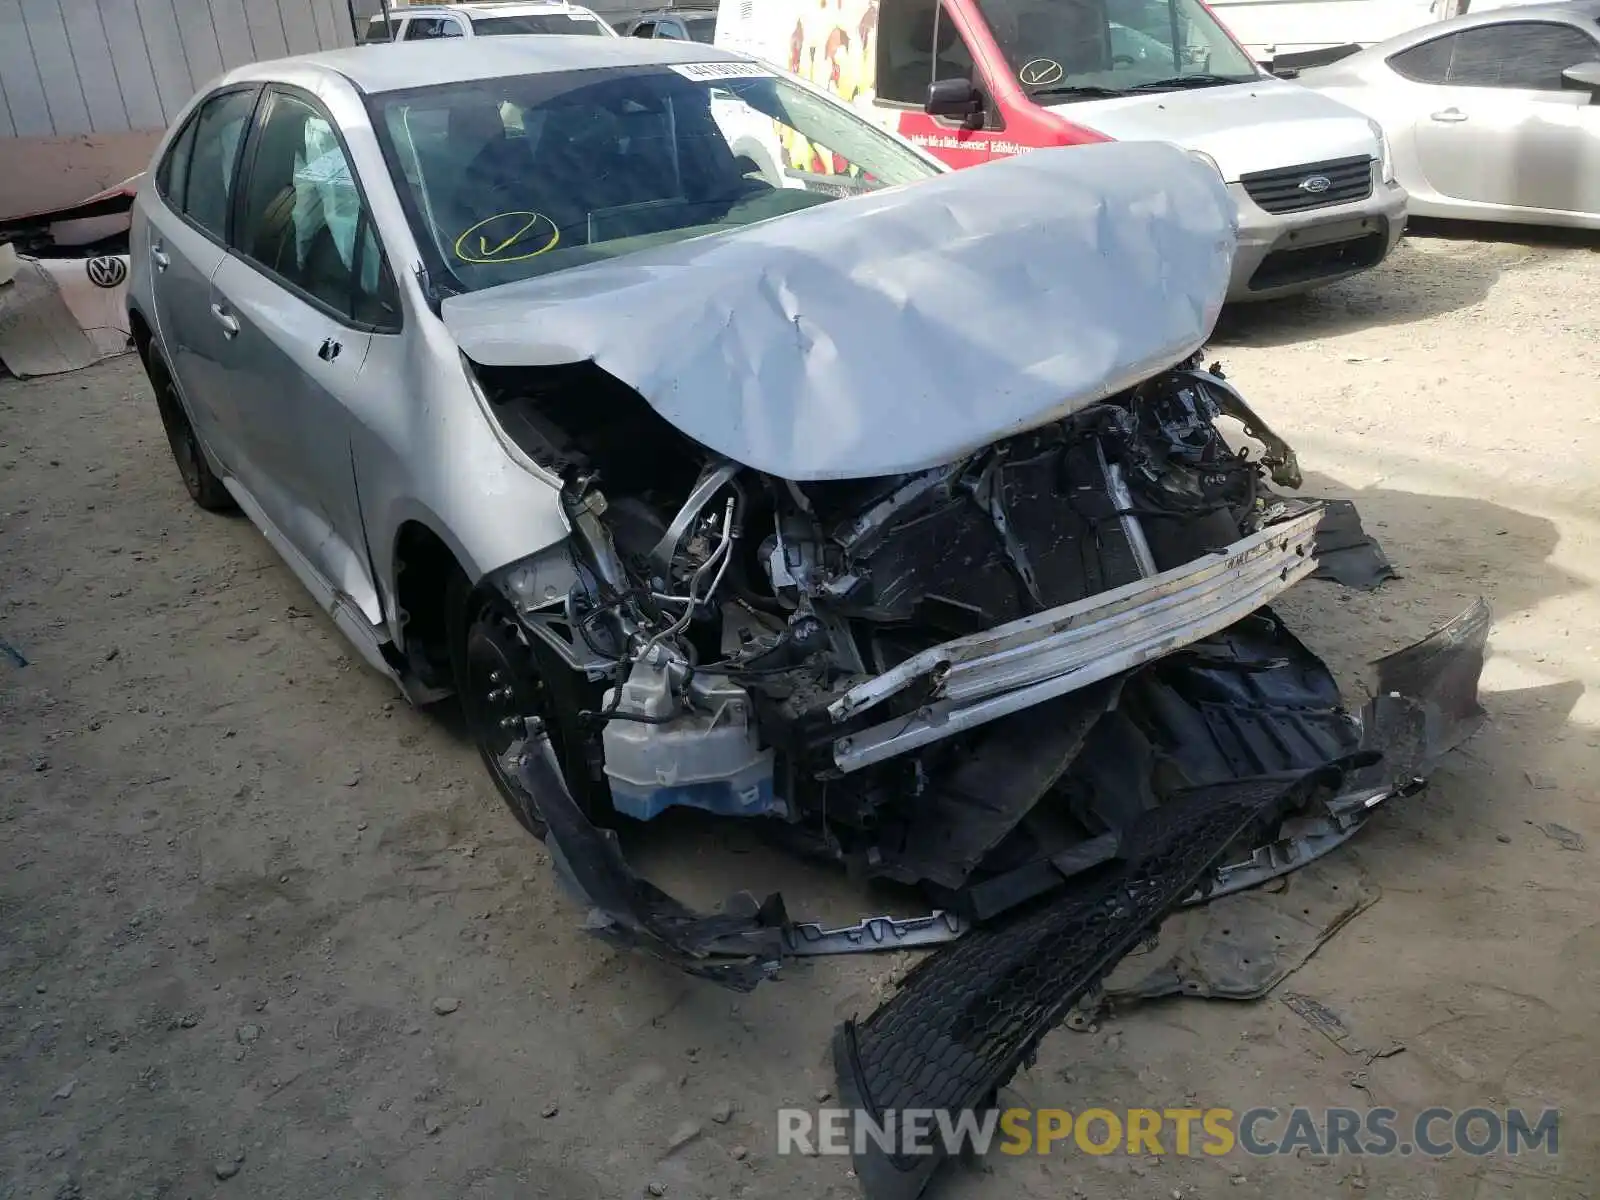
[[721, 70]]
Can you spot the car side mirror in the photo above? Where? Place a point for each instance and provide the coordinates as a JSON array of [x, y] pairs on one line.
[[956, 99], [1585, 77]]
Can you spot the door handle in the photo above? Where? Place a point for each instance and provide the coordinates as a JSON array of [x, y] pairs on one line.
[[159, 257], [1449, 115], [229, 322]]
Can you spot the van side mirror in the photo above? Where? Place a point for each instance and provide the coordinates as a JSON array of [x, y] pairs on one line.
[[955, 99], [1585, 77]]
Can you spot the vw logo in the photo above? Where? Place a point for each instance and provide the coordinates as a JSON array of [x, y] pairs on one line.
[[1040, 72], [1316, 184], [107, 271]]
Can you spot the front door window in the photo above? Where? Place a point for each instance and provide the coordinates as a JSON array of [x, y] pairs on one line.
[[303, 218]]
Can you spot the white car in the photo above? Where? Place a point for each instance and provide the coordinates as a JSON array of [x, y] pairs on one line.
[[419, 22], [1492, 116]]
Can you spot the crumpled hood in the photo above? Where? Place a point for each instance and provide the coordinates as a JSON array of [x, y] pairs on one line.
[[1246, 127], [898, 330]]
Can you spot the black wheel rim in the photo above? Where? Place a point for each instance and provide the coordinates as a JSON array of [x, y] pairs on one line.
[[504, 694]]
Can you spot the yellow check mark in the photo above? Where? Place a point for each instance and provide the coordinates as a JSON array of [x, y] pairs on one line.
[[483, 243]]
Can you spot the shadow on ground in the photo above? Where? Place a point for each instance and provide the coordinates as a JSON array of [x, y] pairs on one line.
[[1430, 274], [1539, 236]]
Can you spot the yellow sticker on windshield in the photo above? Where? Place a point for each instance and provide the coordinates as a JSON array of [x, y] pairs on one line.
[[498, 239]]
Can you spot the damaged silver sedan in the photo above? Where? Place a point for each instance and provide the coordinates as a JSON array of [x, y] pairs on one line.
[[888, 506]]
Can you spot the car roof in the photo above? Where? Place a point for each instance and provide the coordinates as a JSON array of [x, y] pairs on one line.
[[507, 8], [1567, 10], [395, 66]]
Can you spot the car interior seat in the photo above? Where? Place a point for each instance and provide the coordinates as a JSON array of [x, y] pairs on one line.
[[495, 167]]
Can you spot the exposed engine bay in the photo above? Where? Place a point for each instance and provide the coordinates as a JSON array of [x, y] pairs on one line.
[[972, 678], [965, 589], [1041, 684]]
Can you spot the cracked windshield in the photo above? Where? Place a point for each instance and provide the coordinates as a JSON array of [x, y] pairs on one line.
[[521, 176], [1080, 49]]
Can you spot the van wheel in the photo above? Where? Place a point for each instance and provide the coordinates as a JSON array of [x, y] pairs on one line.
[[204, 488]]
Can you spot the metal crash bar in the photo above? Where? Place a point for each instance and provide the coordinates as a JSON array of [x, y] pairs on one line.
[[987, 675]]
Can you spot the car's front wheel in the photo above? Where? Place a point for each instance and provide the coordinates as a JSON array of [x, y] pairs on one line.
[[507, 683], [204, 488]]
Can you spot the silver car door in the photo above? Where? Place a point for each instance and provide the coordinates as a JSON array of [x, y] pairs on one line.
[[187, 243], [304, 328], [1500, 130]]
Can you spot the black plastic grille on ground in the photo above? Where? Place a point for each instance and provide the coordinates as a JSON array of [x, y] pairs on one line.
[[970, 1015]]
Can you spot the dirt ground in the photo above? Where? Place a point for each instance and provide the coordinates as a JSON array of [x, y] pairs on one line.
[[239, 876]]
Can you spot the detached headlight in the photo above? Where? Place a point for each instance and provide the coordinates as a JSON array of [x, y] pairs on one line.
[[1385, 155]]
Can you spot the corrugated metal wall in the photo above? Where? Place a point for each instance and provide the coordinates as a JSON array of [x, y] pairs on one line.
[[110, 66]]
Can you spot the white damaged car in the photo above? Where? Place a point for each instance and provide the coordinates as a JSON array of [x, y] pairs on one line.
[[894, 513]]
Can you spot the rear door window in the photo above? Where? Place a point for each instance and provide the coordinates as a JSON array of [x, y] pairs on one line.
[[1427, 63], [196, 177], [1519, 55]]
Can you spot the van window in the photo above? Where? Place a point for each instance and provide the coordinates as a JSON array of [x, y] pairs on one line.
[[918, 43], [1066, 49], [377, 31]]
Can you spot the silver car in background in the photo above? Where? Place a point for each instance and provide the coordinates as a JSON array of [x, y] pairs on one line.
[[1491, 116]]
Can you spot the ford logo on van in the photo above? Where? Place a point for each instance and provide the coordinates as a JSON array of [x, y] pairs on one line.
[[1316, 184]]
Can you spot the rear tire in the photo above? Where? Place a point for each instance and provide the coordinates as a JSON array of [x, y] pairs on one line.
[[201, 482]]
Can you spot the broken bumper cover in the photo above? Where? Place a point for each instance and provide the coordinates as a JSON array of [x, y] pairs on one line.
[[1426, 705], [1004, 670], [967, 1018], [738, 947]]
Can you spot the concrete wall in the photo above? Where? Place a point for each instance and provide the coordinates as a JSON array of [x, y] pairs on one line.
[[87, 86]]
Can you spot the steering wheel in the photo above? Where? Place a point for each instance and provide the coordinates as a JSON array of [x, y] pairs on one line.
[[1124, 60]]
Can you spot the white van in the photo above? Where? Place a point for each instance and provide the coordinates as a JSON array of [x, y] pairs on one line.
[[972, 80]]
